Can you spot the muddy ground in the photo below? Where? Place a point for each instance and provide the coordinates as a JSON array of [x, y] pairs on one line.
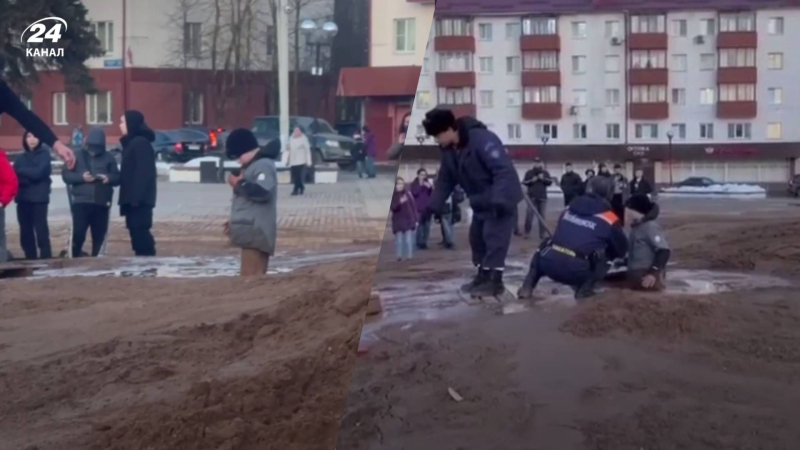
[[622, 371]]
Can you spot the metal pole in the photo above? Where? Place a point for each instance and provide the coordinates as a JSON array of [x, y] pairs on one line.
[[670, 161], [319, 82], [283, 66]]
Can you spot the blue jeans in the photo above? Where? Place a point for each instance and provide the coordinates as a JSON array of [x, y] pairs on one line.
[[361, 169], [369, 164], [3, 249], [447, 229], [423, 233], [404, 244]]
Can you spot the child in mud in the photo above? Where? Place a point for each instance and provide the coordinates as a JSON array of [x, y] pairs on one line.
[[253, 224], [404, 220], [649, 251]]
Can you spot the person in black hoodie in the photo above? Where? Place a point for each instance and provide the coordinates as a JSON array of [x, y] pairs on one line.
[[92, 182], [571, 185], [138, 177], [33, 172]]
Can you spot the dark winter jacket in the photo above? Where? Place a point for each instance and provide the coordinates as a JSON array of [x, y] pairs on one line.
[[33, 171], [138, 176], [404, 214], [422, 195], [588, 226], [483, 169], [537, 188], [95, 160], [358, 151], [571, 184], [13, 106], [641, 186]]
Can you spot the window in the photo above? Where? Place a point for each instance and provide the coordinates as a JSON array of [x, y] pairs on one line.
[[513, 98], [679, 28], [648, 24], [405, 35], [513, 30], [514, 131], [513, 65], [775, 26], [105, 34], [737, 57], [487, 64], [774, 130], [775, 96], [708, 27], [612, 64], [612, 130], [539, 26], [775, 61], [455, 62], [740, 21], [423, 99], [453, 27], [737, 93], [646, 131], [679, 96], [612, 97], [193, 108], [456, 96], [706, 131], [707, 96], [541, 94], [485, 31], [579, 131], [578, 64], [487, 99], [547, 130], [192, 39], [739, 130], [707, 61], [545, 60], [679, 130], [60, 108], [426, 65], [648, 94], [613, 28], [579, 97], [579, 30], [98, 108], [649, 59], [679, 63]]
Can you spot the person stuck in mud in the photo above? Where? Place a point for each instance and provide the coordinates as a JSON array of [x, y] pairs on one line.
[[253, 224], [404, 220], [649, 250], [475, 159], [587, 237]]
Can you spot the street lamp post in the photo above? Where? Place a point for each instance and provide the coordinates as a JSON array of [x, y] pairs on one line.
[[669, 137], [318, 36]]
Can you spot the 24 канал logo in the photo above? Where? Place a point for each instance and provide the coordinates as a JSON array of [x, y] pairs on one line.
[[38, 32]]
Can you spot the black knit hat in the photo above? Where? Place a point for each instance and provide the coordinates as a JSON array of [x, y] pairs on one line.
[[437, 121], [640, 203], [239, 142]]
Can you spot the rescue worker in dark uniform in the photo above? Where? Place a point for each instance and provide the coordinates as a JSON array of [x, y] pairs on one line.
[[587, 237], [475, 159]]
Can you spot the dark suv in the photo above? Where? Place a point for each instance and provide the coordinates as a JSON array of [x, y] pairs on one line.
[[794, 185], [326, 144]]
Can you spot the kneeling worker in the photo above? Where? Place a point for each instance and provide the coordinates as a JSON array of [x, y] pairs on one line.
[[649, 251], [587, 237]]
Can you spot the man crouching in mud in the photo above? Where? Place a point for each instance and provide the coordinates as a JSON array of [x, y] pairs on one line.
[[587, 236], [649, 251], [475, 159]]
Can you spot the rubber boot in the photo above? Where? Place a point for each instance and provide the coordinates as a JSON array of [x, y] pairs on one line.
[[531, 279], [493, 288], [480, 278]]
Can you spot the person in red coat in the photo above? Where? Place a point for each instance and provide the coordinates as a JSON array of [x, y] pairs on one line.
[[9, 185]]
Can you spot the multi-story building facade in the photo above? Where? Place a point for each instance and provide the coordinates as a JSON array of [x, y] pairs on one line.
[[681, 91], [399, 32]]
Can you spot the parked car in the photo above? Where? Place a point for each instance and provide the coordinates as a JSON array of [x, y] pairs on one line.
[[326, 144], [794, 185], [697, 182], [180, 145], [215, 140]]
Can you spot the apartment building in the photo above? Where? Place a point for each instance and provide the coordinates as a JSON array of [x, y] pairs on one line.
[[399, 33], [680, 91]]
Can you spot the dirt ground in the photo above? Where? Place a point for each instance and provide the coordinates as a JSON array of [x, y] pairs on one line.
[[622, 371]]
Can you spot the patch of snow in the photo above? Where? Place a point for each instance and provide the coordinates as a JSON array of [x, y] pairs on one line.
[[728, 190], [195, 163], [163, 168]]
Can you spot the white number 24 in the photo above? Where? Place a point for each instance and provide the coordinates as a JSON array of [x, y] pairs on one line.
[[54, 34]]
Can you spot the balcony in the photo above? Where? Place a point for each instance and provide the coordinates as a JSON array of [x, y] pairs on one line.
[[737, 110], [639, 77], [541, 78], [647, 41], [737, 75], [455, 79], [454, 44], [737, 39], [649, 111], [541, 111], [460, 110], [540, 42]]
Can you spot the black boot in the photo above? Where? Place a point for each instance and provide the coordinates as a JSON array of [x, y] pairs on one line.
[[481, 278], [493, 288], [531, 279], [585, 291]]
